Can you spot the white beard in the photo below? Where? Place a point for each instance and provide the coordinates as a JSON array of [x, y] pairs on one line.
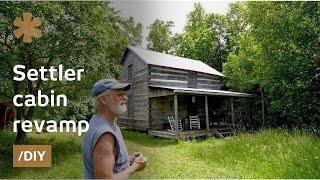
[[120, 109]]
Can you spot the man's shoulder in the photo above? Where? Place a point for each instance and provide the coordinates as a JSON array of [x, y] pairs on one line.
[[106, 138], [98, 126]]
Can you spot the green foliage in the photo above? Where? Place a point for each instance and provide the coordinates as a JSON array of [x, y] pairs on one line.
[[280, 53], [265, 154], [203, 38], [211, 37], [236, 26], [160, 36], [87, 35], [243, 69], [289, 35], [80, 110], [207, 37]]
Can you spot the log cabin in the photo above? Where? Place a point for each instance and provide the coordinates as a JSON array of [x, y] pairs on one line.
[[165, 86]]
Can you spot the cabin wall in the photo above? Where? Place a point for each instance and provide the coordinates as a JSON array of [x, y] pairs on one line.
[[136, 62], [164, 76], [137, 115], [208, 81], [160, 109]]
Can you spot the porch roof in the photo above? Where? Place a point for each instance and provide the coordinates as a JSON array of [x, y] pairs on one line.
[[204, 91]]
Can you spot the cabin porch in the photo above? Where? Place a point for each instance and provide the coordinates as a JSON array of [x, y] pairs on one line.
[[208, 105], [221, 131]]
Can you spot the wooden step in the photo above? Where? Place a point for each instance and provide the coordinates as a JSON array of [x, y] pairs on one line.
[[223, 133]]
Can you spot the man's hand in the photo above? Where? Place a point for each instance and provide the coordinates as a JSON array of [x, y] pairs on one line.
[[139, 163], [104, 160], [133, 156]]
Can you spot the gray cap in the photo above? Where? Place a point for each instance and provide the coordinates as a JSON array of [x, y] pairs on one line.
[[105, 84]]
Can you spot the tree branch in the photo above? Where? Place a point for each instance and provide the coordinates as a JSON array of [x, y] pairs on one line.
[[31, 110], [40, 81], [41, 57]]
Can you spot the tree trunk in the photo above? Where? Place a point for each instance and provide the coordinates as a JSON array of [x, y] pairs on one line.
[[21, 136], [262, 106]]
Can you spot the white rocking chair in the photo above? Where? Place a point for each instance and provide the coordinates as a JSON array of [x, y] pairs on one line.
[[194, 122], [172, 122]]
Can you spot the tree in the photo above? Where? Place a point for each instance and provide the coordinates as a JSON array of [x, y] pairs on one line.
[[87, 35], [196, 18], [245, 69], [242, 69], [204, 38], [236, 25], [160, 36], [289, 34], [288, 37]]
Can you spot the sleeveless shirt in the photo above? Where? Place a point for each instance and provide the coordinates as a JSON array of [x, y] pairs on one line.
[[99, 125]]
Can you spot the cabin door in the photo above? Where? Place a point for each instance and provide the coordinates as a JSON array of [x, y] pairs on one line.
[[192, 106]]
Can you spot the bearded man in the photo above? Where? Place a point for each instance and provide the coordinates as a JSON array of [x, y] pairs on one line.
[[105, 155]]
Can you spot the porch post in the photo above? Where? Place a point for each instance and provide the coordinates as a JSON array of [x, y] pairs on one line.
[[232, 112], [176, 110], [207, 113]]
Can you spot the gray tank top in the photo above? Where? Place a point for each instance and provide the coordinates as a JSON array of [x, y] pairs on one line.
[[99, 125]]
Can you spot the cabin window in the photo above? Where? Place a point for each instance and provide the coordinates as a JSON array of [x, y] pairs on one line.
[[192, 79], [130, 73], [130, 106]]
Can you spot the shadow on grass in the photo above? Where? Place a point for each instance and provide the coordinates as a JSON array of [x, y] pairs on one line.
[[146, 140]]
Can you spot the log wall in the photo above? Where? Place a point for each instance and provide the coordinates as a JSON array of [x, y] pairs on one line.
[[164, 76], [139, 119]]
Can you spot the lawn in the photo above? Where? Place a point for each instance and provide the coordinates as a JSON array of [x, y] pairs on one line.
[[265, 154]]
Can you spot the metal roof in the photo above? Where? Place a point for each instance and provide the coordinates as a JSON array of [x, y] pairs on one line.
[[166, 60], [204, 91]]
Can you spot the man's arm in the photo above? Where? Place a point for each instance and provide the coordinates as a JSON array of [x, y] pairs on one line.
[[104, 159]]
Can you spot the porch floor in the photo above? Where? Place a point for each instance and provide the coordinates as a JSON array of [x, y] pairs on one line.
[[185, 134]]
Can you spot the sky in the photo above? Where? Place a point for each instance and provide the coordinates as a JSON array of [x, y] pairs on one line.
[[146, 11]]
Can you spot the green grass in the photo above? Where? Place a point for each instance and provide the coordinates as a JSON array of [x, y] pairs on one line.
[[266, 154]]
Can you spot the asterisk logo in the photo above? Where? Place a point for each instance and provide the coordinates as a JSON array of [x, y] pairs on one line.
[[27, 27]]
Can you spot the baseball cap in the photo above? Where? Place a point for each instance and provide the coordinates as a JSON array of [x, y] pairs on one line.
[[105, 84]]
